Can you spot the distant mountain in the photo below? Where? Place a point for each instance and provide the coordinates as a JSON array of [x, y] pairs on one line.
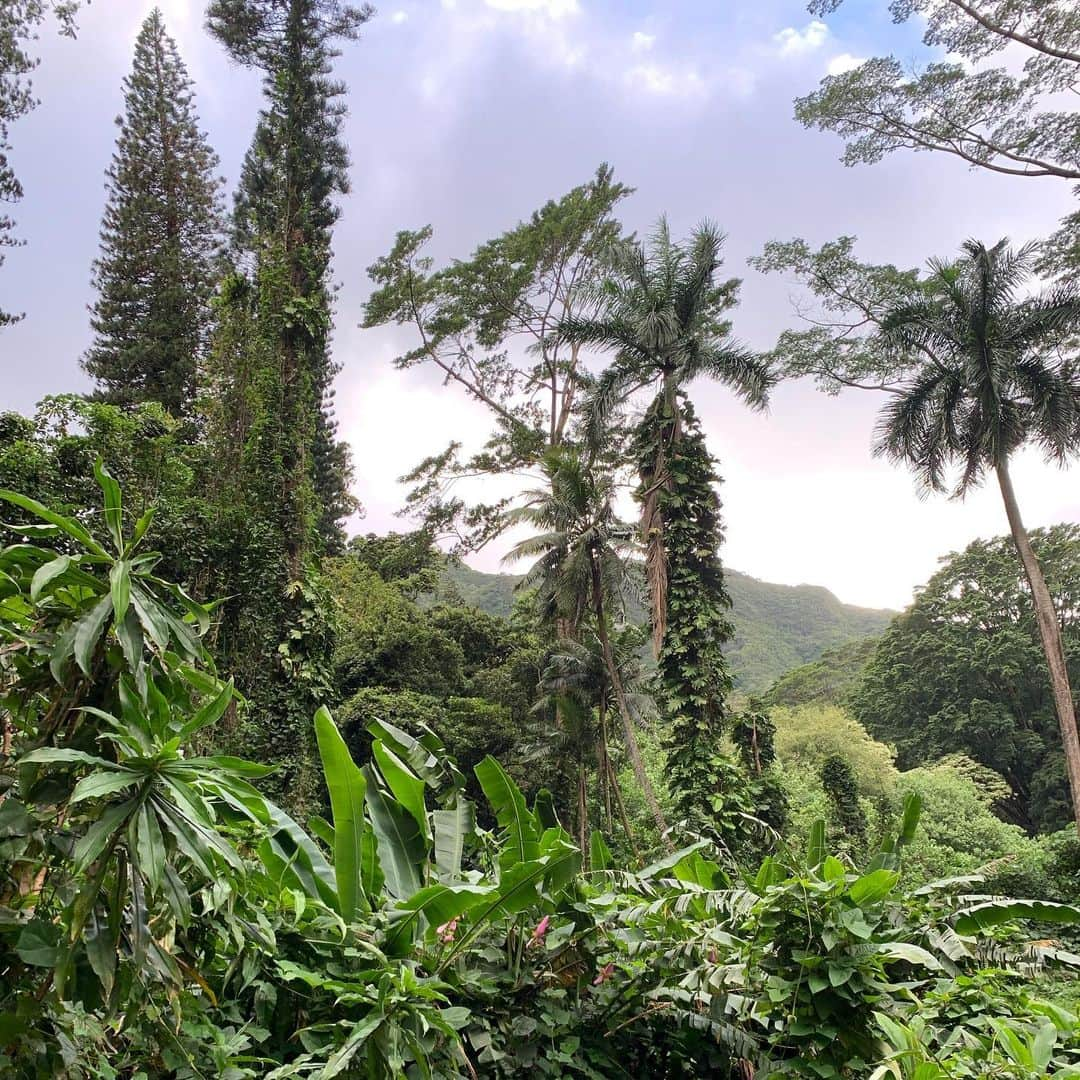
[[777, 627]]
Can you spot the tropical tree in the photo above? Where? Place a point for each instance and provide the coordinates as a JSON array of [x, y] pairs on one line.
[[1012, 120], [279, 480], [961, 671], [989, 377], [575, 679], [580, 569], [486, 326], [660, 311]]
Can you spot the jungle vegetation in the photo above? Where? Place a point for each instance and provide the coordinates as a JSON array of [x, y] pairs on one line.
[[280, 801]]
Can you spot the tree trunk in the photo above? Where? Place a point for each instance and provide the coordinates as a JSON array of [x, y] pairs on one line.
[[1050, 632], [613, 783], [629, 737]]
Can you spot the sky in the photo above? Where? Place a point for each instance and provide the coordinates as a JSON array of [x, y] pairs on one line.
[[469, 114]]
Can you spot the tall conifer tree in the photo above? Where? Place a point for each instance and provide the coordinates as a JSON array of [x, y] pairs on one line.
[[160, 237], [284, 217], [280, 473]]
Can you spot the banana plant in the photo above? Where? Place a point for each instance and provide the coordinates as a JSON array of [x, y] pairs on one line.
[[394, 852]]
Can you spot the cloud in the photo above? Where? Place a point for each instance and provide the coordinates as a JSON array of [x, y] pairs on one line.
[[552, 9], [666, 81], [792, 42], [642, 42], [844, 62], [399, 17]]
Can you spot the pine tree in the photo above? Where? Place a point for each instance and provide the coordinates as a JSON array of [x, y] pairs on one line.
[[284, 491], [160, 237], [284, 217]]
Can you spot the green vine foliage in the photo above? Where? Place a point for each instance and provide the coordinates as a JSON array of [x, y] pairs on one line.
[[838, 779], [754, 735], [705, 781], [279, 475]]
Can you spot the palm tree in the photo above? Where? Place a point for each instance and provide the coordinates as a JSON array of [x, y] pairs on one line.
[[992, 377], [575, 679], [660, 311], [580, 568]]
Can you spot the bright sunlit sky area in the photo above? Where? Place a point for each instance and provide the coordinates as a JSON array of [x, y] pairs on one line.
[[468, 115]]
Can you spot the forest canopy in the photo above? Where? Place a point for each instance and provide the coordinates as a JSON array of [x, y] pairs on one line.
[[282, 798]]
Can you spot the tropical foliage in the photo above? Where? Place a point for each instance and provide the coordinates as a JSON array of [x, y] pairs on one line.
[[279, 803], [161, 915]]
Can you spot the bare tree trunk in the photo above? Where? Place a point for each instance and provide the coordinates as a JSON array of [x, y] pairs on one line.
[[629, 737], [613, 781], [1050, 632], [604, 769], [583, 808]]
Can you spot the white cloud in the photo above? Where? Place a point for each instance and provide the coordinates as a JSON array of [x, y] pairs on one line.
[[642, 42], [399, 17], [844, 62], [552, 9], [666, 81], [794, 42]]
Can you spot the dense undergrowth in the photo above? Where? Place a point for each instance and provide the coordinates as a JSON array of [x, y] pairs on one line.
[[162, 918]]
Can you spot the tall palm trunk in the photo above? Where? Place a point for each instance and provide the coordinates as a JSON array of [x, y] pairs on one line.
[[1050, 632], [629, 737]]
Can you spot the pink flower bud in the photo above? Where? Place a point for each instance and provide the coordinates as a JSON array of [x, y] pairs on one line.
[[541, 929], [604, 974]]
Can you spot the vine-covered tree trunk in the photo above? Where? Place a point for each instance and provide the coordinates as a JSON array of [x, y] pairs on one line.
[[1050, 633], [633, 751]]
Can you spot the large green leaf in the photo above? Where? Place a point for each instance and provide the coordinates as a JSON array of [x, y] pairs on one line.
[[88, 631], [599, 852], [104, 782], [113, 503], [401, 846], [981, 917], [120, 587], [874, 886], [518, 889], [437, 904], [521, 842], [663, 867], [46, 573], [210, 712], [67, 525], [347, 786], [294, 859], [405, 785], [101, 834], [451, 828], [815, 845]]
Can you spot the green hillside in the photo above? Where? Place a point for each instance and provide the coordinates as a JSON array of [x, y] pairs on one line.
[[777, 627]]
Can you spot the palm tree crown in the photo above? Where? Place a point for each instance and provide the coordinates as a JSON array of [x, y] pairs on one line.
[[578, 526], [992, 374], [660, 310]]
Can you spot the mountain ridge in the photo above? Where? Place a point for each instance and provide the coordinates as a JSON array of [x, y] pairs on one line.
[[777, 627]]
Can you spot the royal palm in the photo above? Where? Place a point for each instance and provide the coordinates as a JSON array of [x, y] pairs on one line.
[[993, 373]]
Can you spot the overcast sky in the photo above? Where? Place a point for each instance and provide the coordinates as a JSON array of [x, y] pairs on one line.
[[469, 114]]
